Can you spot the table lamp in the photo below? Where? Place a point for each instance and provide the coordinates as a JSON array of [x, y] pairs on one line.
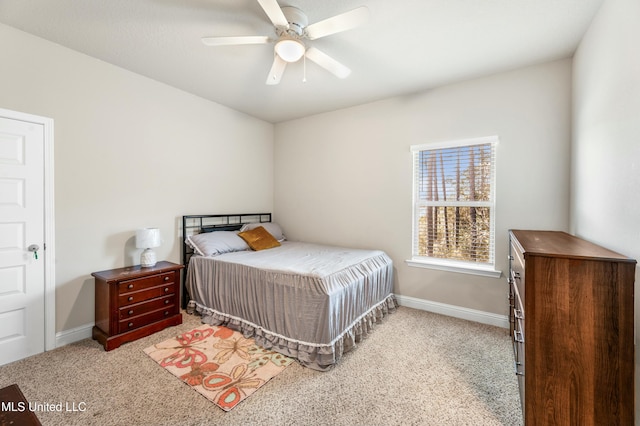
[[147, 239]]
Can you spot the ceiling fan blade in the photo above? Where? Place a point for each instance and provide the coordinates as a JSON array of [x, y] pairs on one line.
[[338, 23], [229, 41], [274, 12], [277, 69], [327, 62]]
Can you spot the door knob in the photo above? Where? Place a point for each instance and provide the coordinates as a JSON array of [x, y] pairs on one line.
[[34, 248]]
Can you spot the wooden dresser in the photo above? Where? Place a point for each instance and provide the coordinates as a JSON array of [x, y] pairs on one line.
[[572, 322], [135, 302]]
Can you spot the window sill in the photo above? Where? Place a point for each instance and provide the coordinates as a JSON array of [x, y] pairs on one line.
[[485, 271]]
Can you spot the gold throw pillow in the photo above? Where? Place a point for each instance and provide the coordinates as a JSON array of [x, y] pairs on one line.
[[259, 238]]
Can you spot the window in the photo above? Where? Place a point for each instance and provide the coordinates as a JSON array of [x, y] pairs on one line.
[[454, 205]]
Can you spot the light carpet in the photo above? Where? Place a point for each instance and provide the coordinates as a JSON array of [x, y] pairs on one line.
[[415, 368]]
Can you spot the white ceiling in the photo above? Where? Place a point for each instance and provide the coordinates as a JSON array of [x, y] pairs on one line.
[[407, 45]]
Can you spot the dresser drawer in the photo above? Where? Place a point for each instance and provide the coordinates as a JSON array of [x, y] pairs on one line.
[[517, 271], [518, 303], [518, 345], [144, 307], [144, 295], [512, 302], [142, 320], [519, 359], [517, 257], [138, 284]]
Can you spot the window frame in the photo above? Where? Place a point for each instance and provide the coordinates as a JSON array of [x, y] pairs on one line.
[[453, 265]]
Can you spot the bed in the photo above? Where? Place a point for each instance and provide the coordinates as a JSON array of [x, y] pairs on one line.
[[308, 301]]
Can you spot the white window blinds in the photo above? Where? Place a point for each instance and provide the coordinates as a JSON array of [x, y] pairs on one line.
[[454, 201]]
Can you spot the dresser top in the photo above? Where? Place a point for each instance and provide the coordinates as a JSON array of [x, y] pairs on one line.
[[136, 271], [561, 244]]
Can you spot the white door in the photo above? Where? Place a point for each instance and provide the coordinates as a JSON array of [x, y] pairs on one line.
[[22, 272]]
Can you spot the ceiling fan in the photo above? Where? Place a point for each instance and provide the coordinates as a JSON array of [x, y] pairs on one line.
[[292, 29]]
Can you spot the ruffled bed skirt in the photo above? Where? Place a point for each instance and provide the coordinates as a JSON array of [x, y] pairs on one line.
[[321, 357]]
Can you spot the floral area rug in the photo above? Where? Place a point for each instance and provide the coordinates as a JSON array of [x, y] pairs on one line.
[[219, 363]]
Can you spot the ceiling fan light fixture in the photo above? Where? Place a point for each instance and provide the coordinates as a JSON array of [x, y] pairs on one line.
[[289, 49]]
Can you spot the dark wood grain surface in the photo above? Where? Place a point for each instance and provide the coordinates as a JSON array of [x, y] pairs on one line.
[[134, 302], [579, 349], [15, 408]]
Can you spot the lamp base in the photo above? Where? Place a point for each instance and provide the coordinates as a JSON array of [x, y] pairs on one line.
[[148, 258]]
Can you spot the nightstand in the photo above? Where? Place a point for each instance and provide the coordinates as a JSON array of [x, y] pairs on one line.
[[135, 302]]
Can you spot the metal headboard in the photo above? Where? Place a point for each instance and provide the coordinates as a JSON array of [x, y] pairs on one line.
[[196, 224]]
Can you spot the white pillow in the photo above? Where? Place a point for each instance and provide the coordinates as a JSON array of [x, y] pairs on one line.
[[271, 227], [213, 243]]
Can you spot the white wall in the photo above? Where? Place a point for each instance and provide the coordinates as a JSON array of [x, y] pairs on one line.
[[606, 141], [345, 177], [606, 147], [129, 153]]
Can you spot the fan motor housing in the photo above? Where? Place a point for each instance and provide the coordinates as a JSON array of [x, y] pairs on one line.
[[297, 19]]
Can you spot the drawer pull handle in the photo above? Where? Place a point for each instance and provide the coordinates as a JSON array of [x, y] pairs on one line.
[[517, 336], [166, 278], [166, 289], [166, 313], [130, 324], [519, 368], [130, 298], [131, 312], [130, 286], [166, 302]]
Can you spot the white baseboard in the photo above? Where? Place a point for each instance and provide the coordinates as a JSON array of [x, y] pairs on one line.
[[73, 335], [84, 332], [454, 311]]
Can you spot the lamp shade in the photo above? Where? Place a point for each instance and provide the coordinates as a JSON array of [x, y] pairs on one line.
[[148, 238]]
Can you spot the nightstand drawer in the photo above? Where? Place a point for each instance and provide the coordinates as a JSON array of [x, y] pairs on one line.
[[142, 283], [146, 319], [144, 307], [144, 295]]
